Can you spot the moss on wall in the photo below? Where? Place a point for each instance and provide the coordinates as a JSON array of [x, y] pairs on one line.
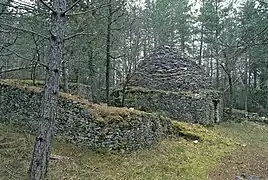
[[80, 122]]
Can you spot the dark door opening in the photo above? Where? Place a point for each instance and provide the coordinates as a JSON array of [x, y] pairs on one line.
[[216, 110]]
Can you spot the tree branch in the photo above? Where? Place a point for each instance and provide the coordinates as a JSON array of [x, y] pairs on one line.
[[77, 34], [71, 7], [25, 58], [92, 9], [16, 69], [117, 57], [224, 68], [45, 4], [24, 30], [118, 17]]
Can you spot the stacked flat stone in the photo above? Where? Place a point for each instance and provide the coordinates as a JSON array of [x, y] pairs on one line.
[[166, 70], [75, 122]]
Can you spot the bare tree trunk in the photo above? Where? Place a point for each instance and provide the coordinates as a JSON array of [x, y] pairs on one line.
[[65, 76], [211, 64], [230, 95], [183, 46], [33, 73], [246, 84], [1, 71], [145, 49], [201, 40], [217, 69], [91, 73], [255, 74], [229, 75], [108, 48], [42, 148]]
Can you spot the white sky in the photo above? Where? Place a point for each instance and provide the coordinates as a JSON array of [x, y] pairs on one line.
[[142, 2]]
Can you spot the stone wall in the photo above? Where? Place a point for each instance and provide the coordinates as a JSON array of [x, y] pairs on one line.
[[82, 123], [82, 90], [173, 85], [204, 107], [241, 115], [165, 69]]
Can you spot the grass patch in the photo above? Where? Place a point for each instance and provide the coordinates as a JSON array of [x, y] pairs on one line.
[[176, 158], [250, 156]]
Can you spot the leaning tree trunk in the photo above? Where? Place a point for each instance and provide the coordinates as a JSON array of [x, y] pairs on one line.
[[42, 148]]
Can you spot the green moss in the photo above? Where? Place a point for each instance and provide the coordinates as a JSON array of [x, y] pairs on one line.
[[196, 131], [102, 114]]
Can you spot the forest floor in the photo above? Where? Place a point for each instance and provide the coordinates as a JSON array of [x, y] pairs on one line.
[[236, 149]]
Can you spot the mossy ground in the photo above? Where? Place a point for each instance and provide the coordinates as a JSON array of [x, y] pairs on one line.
[[251, 155], [175, 158]]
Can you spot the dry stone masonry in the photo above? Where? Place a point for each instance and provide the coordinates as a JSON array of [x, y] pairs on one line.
[[171, 85], [166, 70], [120, 129]]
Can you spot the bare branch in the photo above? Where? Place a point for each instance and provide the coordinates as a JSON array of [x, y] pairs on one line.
[[118, 17], [71, 7], [25, 58], [90, 10], [24, 30], [45, 4], [9, 43], [16, 69], [6, 54], [262, 2], [77, 34], [22, 6], [225, 69], [117, 57]]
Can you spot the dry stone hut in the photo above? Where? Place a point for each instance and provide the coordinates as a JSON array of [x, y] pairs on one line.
[[171, 85]]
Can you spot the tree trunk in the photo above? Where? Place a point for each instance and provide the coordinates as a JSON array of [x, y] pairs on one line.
[[91, 74], [201, 38], [108, 48], [33, 73], [65, 76], [246, 85], [229, 75], [217, 48], [255, 74], [42, 148], [230, 95], [211, 64], [201, 45]]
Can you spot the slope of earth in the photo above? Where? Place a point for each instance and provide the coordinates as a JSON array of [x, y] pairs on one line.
[[181, 157], [223, 152], [251, 155]]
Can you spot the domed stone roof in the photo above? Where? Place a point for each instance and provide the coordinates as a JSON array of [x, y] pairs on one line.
[[166, 70]]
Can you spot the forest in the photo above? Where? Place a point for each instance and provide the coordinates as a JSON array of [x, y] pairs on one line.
[[88, 53]]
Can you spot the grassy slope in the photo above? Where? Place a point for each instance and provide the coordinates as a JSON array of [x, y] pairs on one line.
[[210, 158], [251, 156], [213, 157], [170, 159]]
